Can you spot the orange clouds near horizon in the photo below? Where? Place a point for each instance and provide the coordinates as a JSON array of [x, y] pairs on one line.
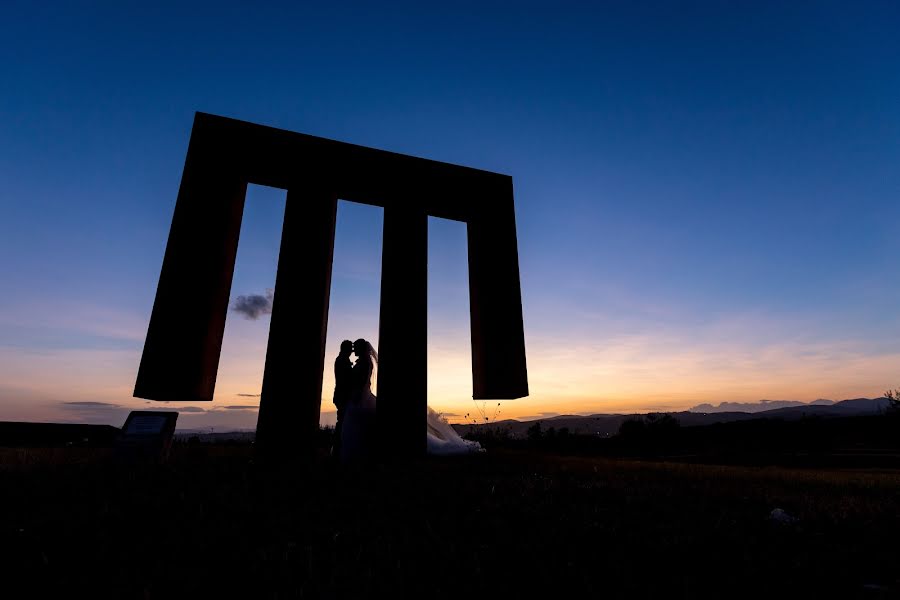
[[743, 360]]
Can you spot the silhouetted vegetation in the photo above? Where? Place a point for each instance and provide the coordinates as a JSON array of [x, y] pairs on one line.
[[813, 441], [654, 429], [493, 436], [509, 523]]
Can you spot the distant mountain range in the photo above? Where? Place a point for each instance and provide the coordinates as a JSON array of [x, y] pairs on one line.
[[703, 414], [608, 424], [754, 407]]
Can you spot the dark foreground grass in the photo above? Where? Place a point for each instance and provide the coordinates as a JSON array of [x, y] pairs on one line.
[[500, 525]]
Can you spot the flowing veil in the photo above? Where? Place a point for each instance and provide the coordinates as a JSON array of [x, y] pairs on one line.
[[443, 439], [373, 378]]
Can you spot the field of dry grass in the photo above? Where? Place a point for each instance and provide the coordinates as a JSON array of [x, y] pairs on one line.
[[212, 523]]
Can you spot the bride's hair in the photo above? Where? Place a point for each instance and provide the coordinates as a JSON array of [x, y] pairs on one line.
[[368, 351], [364, 348]]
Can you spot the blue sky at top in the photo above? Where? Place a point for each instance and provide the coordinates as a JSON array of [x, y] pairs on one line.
[[706, 192]]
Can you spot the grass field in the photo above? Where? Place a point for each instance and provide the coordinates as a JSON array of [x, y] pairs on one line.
[[211, 523]]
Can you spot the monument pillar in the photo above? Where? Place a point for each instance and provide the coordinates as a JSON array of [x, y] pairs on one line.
[[495, 299], [403, 333], [184, 337], [291, 395]]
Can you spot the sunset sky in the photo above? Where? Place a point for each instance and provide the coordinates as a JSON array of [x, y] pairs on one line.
[[707, 193]]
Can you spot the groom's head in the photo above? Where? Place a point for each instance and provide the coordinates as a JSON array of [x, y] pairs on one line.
[[346, 348]]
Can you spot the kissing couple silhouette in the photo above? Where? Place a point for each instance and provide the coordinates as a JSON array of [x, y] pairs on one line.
[[355, 432]]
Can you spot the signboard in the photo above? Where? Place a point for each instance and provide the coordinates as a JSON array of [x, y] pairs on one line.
[[147, 424], [147, 435]]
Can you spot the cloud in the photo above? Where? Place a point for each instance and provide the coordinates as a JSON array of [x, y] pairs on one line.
[[99, 406], [248, 395], [739, 358], [64, 323], [93, 412], [255, 305], [540, 415], [115, 414], [241, 407], [164, 409]]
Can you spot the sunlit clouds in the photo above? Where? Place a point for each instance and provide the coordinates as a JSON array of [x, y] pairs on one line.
[[670, 368], [676, 369]]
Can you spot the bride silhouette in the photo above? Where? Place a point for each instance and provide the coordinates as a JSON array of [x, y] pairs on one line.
[[358, 431]]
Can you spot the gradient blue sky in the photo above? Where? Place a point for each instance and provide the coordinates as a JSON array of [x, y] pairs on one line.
[[707, 192]]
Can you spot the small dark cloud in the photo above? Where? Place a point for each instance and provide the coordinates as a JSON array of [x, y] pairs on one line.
[[191, 409], [248, 395], [164, 409], [254, 306], [241, 407], [537, 417], [96, 412], [446, 414]]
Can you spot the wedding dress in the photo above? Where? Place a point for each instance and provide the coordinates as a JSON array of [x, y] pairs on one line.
[[358, 430], [443, 439]]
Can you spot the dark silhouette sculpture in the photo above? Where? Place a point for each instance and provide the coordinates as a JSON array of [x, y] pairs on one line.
[[184, 338]]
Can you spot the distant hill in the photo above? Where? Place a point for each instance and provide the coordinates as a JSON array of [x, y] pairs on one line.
[[844, 408], [755, 407], [608, 424]]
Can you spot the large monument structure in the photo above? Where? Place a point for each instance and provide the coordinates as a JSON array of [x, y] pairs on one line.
[[184, 338]]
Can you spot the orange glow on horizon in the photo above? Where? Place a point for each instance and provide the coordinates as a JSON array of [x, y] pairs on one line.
[[637, 374]]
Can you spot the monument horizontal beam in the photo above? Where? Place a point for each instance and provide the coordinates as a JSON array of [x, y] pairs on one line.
[[285, 159]]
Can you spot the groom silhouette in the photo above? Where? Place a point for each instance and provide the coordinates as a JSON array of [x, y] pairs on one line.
[[343, 390]]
